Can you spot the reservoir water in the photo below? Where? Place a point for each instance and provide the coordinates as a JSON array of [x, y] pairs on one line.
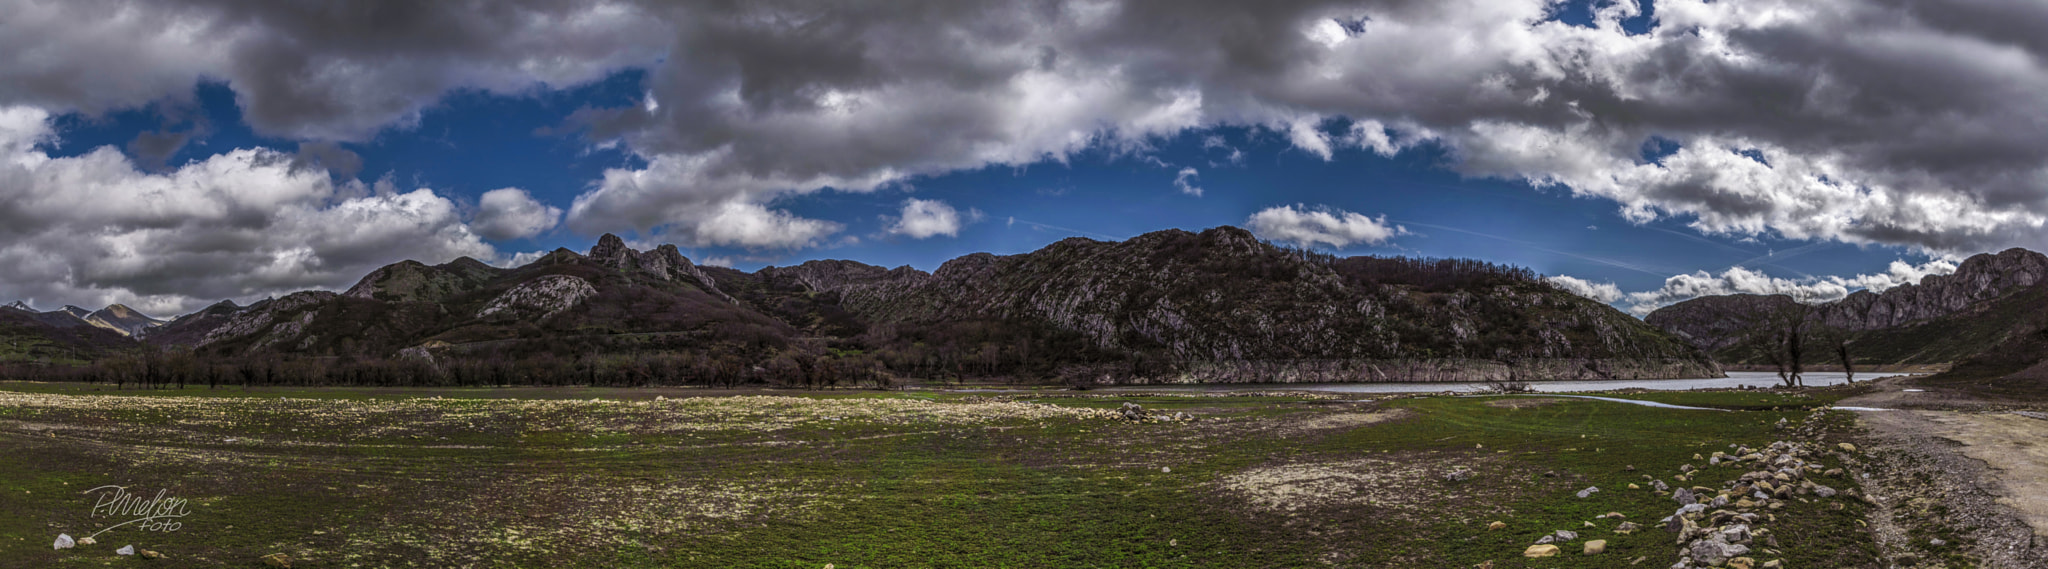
[[1734, 379]]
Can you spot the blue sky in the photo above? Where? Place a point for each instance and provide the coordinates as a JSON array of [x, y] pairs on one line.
[[750, 144]]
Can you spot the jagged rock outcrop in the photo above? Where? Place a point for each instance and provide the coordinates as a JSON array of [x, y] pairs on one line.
[[1895, 326], [664, 262], [1978, 279], [540, 298], [21, 306], [263, 316]]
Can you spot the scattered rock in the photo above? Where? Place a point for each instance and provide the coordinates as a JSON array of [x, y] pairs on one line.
[[1589, 491], [278, 560], [1496, 525], [1742, 563], [1847, 447], [1540, 551], [64, 541], [1566, 535], [1714, 553], [149, 554], [1596, 547], [1937, 542], [1459, 474], [125, 550], [84, 541], [1626, 528]]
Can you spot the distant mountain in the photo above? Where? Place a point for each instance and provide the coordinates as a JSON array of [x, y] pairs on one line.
[[21, 306], [1220, 305], [122, 319], [30, 337], [1990, 299]]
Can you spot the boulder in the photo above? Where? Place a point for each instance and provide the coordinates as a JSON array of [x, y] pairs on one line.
[[1540, 551], [1596, 547], [64, 541]]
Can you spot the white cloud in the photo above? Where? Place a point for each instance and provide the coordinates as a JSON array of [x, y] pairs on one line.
[[1310, 226], [755, 104], [511, 213], [1603, 292], [1740, 280], [921, 219], [1184, 181], [742, 224], [93, 229]]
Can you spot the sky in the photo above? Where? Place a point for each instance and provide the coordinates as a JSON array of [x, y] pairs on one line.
[[169, 154]]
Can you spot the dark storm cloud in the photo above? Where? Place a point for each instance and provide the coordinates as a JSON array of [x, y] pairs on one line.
[[328, 156]]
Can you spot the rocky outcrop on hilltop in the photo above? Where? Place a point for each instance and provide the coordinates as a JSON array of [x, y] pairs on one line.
[[540, 298], [263, 318], [664, 262]]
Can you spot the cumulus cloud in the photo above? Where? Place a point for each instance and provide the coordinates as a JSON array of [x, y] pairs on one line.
[[94, 229], [1603, 292], [511, 213], [1740, 280], [1861, 121], [921, 219], [1308, 227]]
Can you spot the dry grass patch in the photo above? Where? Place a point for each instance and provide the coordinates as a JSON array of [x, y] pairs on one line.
[[1345, 420], [1409, 487]]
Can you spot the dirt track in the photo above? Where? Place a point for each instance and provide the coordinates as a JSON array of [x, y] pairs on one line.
[[1986, 470]]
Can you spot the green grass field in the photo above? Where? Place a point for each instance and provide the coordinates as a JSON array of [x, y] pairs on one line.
[[617, 478]]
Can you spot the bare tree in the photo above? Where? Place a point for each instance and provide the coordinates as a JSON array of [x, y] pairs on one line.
[[1779, 338]]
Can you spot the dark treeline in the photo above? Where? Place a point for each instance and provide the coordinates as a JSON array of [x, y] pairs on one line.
[[1430, 274], [182, 369]]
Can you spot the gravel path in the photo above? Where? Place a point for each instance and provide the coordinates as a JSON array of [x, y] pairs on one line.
[[1960, 472]]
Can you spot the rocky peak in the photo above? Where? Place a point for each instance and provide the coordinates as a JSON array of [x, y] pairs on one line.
[[80, 313], [1979, 278], [612, 251], [22, 306]]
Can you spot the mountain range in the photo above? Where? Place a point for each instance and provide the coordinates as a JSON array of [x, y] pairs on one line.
[[117, 318], [1215, 306], [1991, 300]]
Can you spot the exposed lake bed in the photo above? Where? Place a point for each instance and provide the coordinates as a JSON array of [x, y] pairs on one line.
[[862, 478]]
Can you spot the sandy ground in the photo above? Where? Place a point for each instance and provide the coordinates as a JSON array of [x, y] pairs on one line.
[[2014, 446], [1989, 469]]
